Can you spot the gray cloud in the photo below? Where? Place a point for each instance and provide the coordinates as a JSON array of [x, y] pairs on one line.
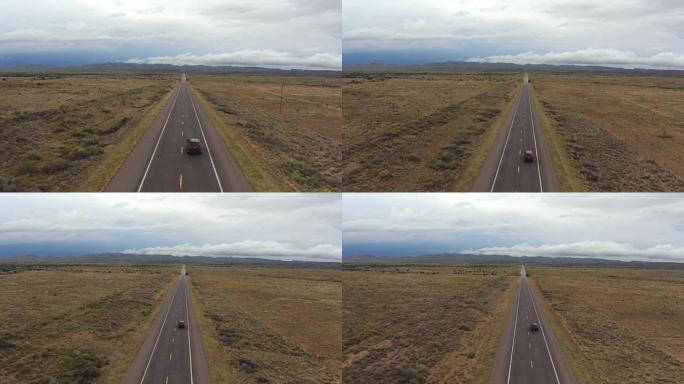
[[250, 248], [601, 249], [264, 58], [631, 33]]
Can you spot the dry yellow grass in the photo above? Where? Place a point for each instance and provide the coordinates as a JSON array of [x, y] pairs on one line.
[[623, 325], [59, 131], [268, 323], [417, 132], [623, 133], [298, 148], [422, 324], [75, 324]]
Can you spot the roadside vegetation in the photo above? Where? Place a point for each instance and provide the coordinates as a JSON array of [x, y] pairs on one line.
[[72, 132], [423, 324], [618, 325], [270, 324], [75, 323], [420, 132], [296, 149], [621, 133]]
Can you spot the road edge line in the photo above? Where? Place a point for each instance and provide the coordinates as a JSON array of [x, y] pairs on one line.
[[159, 335], [158, 140], [218, 180]]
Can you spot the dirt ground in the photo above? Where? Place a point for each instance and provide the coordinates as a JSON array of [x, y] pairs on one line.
[[300, 146], [66, 133], [417, 132], [622, 133]]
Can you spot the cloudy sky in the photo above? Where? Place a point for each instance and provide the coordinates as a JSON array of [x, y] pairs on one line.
[[273, 33], [620, 33], [276, 226], [613, 226]]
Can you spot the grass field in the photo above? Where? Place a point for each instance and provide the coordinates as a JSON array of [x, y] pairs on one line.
[[62, 133], [297, 149], [418, 132], [621, 133], [75, 324], [422, 324], [269, 324], [618, 325]]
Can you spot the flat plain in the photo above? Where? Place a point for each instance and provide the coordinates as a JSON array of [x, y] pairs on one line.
[[72, 132], [618, 325], [420, 131], [270, 324], [619, 133], [75, 323], [293, 149], [423, 323]]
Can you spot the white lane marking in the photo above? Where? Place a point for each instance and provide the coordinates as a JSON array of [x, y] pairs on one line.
[[530, 345], [182, 133], [510, 129], [167, 380], [531, 364], [206, 144], [181, 181], [173, 340], [534, 135], [518, 168], [543, 335], [515, 328], [160, 332], [170, 355], [181, 150], [158, 140], [187, 319]]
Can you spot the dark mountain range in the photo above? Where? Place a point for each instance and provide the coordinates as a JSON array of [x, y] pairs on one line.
[[462, 66], [458, 258], [127, 258], [156, 69]]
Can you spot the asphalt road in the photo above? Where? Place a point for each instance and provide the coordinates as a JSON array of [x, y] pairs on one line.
[[172, 355], [158, 163], [505, 170], [526, 357]]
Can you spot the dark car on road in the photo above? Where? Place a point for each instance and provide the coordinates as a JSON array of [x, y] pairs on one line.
[[193, 147], [181, 324], [534, 327], [528, 156]]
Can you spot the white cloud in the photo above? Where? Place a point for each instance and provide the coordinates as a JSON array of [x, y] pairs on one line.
[[597, 249], [264, 58], [250, 248], [590, 56]]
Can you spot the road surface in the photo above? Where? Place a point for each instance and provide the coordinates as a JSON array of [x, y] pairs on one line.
[[504, 170], [526, 357], [158, 163], [172, 355]]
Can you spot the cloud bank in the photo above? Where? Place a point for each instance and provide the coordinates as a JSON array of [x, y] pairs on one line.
[[249, 248], [599, 249], [602, 57], [261, 58]]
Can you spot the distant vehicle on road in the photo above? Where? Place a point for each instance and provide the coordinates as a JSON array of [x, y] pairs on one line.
[[193, 147], [181, 324], [528, 157], [534, 327]]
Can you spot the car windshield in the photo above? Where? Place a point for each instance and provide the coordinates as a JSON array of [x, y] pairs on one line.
[[193, 141]]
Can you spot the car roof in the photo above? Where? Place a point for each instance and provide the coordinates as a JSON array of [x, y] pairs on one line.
[[193, 140], [529, 151]]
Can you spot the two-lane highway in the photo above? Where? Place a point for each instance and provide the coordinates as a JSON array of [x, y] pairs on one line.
[[172, 354], [505, 169], [160, 162], [526, 356]]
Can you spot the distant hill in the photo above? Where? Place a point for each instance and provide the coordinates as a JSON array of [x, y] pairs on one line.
[[157, 69], [458, 258], [127, 258], [463, 66]]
